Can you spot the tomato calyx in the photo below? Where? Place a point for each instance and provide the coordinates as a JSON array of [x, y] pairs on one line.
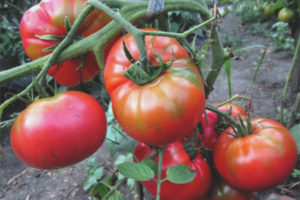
[[140, 74], [57, 38], [241, 127]]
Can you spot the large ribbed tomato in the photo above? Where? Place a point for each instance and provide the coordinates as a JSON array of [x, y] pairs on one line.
[[259, 160], [59, 131], [161, 111], [48, 18], [174, 155]]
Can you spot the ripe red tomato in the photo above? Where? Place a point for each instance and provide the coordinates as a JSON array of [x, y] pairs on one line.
[[59, 131], [173, 155], [47, 18], [164, 110], [258, 161], [234, 109], [208, 135], [221, 190]]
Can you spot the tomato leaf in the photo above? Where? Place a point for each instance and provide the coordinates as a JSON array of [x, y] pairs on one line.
[[113, 138], [180, 174], [127, 146], [100, 189], [93, 178], [50, 37], [89, 183], [295, 130], [227, 68], [116, 196], [136, 171], [109, 114], [150, 163]]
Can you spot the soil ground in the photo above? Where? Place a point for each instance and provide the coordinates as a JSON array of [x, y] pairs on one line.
[[18, 182]]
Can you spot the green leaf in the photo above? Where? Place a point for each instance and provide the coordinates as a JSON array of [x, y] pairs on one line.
[[136, 171], [127, 53], [68, 25], [296, 173], [295, 130], [113, 138], [100, 189], [50, 37], [227, 68], [150, 163], [109, 114], [98, 173], [130, 183], [117, 196], [127, 146], [123, 158], [89, 183], [180, 174]]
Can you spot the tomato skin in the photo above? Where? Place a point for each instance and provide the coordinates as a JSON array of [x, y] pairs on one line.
[[47, 18], [59, 131], [269, 9], [209, 135], [235, 109], [258, 161], [285, 15], [174, 154], [221, 190], [164, 110]]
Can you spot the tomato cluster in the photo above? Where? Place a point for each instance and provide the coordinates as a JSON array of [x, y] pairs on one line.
[[63, 130]]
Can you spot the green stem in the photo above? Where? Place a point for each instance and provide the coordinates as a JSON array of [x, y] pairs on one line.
[[219, 56], [225, 115], [288, 78], [159, 175], [114, 188], [137, 34], [180, 35], [64, 43], [295, 111], [139, 193], [256, 71], [235, 97], [50, 61], [132, 11], [14, 98]]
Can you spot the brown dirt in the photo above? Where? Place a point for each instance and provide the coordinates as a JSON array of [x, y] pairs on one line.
[[20, 182]]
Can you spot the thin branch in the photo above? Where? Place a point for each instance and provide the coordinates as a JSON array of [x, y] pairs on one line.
[[288, 78]]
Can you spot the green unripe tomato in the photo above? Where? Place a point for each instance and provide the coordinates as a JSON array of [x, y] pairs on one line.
[[285, 15], [268, 10]]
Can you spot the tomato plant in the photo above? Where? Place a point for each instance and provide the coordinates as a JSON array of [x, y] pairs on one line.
[[59, 131], [258, 161], [44, 25], [163, 110], [174, 155]]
